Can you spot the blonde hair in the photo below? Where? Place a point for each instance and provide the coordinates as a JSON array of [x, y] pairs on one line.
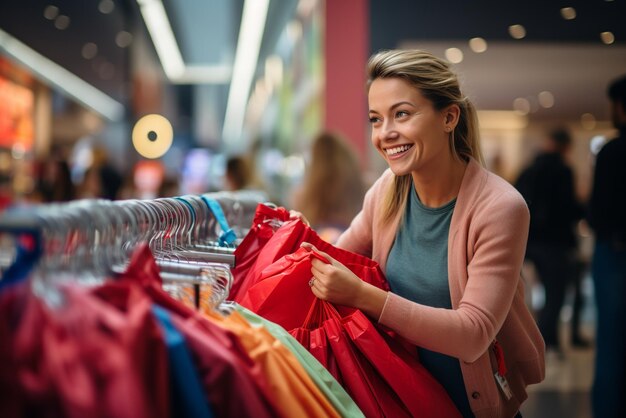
[[333, 189], [435, 80]]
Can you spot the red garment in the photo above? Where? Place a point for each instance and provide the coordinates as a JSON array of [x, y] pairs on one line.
[[247, 251], [382, 378], [84, 358], [264, 244], [281, 293], [234, 383], [286, 240]]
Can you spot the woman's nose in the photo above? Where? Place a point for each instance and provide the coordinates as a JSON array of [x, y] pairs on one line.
[[388, 130]]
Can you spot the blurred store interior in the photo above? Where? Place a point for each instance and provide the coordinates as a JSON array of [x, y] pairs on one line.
[[262, 77]]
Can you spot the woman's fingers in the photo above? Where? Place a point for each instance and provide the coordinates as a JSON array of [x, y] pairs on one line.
[[294, 214]]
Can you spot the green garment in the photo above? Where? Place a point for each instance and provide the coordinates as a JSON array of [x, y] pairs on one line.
[[327, 384]]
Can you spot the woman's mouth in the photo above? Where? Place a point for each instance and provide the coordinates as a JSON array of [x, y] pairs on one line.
[[398, 151]]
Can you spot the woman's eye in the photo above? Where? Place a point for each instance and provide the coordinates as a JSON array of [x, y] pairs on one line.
[[374, 119], [401, 113]]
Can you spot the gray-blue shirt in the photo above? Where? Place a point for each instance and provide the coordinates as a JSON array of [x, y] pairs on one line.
[[417, 269]]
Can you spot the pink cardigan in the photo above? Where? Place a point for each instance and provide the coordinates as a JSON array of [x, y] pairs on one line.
[[486, 246]]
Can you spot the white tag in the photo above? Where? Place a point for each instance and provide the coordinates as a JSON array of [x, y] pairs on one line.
[[504, 386]]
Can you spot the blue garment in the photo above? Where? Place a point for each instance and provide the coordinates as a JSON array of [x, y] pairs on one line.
[[609, 277], [188, 397], [417, 269], [26, 257]]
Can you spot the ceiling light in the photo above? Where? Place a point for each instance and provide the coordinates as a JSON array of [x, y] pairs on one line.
[[61, 22], [454, 55], [63, 80], [163, 38], [51, 12], [106, 70], [106, 6], [517, 31], [478, 45], [568, 13], [123, 39], [248, 45], [546, 99], [588, 121], [521, 105], [89, 50], [152, 136], [607, 37], [155, 17]]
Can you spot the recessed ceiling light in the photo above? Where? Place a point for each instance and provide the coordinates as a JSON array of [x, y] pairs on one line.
[[123, 39], [607, 37], [478, 45], [106, 6], [588, 121], [454, 55], [546, 99], [89, 50], [106, 71], [51, 12], [61, 22], [517, 31], [568, 13], [521, 105]]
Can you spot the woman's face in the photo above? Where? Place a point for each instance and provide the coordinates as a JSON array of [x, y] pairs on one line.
[[407, 130]]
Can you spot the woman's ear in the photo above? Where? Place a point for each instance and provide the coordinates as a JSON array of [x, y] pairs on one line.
[[451, 117]]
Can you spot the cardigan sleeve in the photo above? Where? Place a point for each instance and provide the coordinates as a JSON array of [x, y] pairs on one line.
[[496, 243]]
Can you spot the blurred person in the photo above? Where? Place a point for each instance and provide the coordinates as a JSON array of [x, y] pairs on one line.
[[607, 217], [110, 178], [241, 176], [238, 174], [170, 187], [333, 189], [101, 179], [90, 186], [547, 184], [450, 237], [54, 183]]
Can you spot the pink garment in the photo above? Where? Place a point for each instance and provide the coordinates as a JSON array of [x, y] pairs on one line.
[[486, 246]]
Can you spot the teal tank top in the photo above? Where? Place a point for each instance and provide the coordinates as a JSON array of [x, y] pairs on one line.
[[417, 269]]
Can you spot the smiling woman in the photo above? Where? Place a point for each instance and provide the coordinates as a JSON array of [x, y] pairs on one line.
[[450, 237]]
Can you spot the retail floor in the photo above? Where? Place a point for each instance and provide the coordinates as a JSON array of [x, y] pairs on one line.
[[565, 393]]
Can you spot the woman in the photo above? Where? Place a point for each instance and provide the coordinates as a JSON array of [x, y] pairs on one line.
[[450, 237], [333, 189]]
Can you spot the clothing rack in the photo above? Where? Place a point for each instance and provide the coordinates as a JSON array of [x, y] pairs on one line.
[[185, 234]]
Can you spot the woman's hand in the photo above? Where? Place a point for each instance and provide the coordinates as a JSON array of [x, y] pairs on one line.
[[335, 283], [294, 214]]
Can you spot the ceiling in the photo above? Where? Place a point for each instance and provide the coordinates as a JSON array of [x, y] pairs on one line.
[[565, 57]]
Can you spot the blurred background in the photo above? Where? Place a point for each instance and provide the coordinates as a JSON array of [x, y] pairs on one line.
[[258, 80]]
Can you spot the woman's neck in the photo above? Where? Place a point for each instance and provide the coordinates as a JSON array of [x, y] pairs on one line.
[[440, 183]]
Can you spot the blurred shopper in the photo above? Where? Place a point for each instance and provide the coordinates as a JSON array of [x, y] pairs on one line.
[[55, 181], [608, 220], [101, 179], [238, 174], [548, 187], [333, 188], [450, 237]]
